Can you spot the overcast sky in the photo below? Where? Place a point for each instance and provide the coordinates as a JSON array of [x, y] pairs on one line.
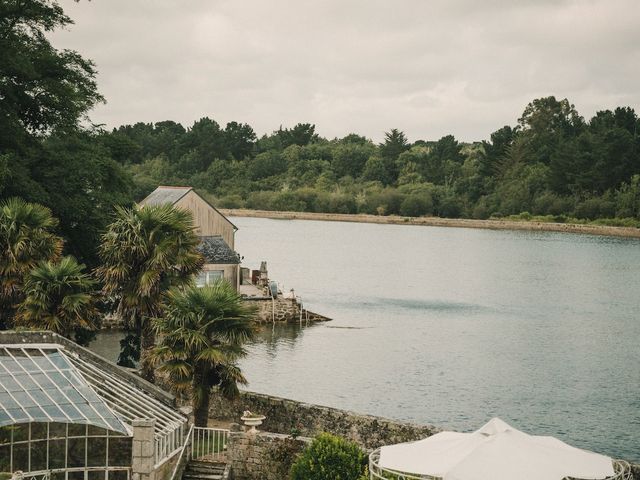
[[429, 68]]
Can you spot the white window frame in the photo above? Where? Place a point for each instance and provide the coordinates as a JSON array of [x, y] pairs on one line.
[[210, 276]]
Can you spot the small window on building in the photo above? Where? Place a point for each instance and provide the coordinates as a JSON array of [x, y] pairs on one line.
[[201, 279], [209, 277]]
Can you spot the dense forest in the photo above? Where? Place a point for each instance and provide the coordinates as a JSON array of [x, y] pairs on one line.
[[552, 163]]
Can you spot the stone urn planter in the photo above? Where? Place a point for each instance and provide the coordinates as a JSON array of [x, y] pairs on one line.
[[252, 420]]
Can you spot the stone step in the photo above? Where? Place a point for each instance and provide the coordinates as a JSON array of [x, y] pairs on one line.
[[202, 476], [205, 468], [190, 471], [204, 463], [199, 470]]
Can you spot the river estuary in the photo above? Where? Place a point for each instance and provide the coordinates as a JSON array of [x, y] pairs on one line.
[[452, 326]]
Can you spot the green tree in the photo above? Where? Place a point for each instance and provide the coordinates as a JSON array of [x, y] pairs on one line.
[[202, 334], [495, 151], [350, 157], [44, 94], [301, 134], [395, 142], [205, 141], [239, 140], [59, 297], [329, 458], [628, 198], [266, 165], [376, 169], [26, 238], [144, 253], [545, 124], [42, 88], [83, 184]]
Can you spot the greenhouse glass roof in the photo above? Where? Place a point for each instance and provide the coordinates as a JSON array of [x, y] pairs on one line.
[[40, 384], [49, 383]]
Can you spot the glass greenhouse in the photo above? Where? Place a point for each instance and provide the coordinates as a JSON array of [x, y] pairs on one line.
[[66, 418]]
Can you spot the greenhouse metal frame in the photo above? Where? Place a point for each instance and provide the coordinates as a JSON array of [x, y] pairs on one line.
[[65, 417]]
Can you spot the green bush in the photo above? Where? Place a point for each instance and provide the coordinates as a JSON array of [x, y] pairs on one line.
[[450, 207], [416, 205], [329, 458], [231, 201]]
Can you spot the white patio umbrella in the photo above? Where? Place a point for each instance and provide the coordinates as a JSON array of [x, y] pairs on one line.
[[497, 451]]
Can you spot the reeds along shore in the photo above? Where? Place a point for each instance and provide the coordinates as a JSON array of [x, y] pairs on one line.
[[627, 232]]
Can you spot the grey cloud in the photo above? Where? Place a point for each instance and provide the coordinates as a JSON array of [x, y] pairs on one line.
[[428, 67]]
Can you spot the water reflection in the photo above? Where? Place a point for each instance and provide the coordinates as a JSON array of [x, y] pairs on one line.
[[273, 337]]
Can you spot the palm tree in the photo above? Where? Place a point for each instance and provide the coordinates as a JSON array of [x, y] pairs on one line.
[[26, 238], [59, 297], [144, 253], [201, 338]]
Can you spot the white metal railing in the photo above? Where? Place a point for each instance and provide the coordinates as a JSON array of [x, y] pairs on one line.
[[621, 468], [46, 474], [41, 475], [376, 472], [185, 453], [208, 444], [167, 445]]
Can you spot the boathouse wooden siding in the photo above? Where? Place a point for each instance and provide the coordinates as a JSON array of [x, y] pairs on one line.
[[208, 220]]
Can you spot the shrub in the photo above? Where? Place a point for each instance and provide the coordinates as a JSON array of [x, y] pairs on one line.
[[592, 208], [450, 207], [329, 458], [415, 205], [287, 202], [261, 200], [231, 201]]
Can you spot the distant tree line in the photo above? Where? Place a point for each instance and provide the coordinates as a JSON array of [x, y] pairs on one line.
[[553, 163]]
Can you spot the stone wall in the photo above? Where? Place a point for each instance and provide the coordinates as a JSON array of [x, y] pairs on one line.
[[286, 416], [262, 456], [284, 310]]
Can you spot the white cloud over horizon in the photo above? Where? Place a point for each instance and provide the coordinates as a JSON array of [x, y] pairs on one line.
[[427, 67]]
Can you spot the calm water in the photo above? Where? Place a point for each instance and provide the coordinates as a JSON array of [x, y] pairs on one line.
[[454, 326]]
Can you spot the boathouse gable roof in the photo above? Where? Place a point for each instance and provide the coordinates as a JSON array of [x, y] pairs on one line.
[[163, 195], [172, 195]]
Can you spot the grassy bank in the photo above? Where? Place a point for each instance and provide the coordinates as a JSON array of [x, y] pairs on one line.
[[510, 223]]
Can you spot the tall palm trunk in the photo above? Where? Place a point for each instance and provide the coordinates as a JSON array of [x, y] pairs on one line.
[[147, 342], [200, 400]]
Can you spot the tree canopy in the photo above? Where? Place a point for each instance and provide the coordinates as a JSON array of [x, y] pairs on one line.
[[45, 154], [552, 163]]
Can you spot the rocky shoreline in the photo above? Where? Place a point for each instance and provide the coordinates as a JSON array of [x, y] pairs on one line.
[[626, 232]]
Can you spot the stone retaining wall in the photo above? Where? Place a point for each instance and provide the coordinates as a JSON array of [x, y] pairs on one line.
[[262, 456], [286, 416], [284, 310]]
